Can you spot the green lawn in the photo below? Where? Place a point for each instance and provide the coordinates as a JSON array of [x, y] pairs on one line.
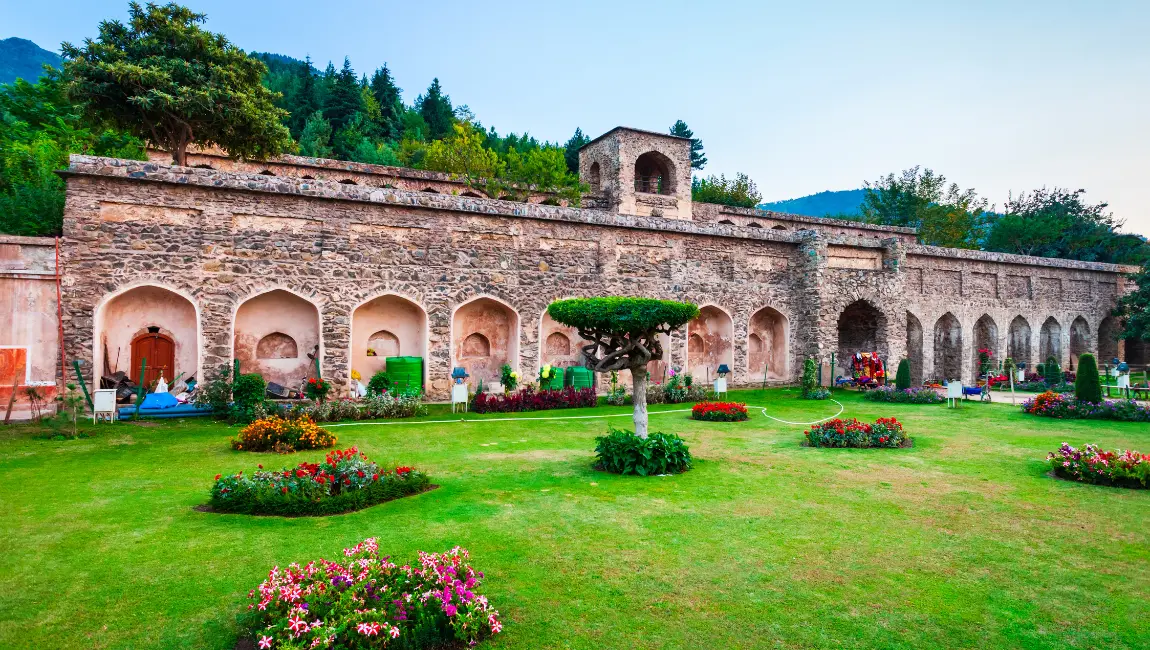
[[961, 541]]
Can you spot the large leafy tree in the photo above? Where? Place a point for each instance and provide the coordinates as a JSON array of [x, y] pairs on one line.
[[164, 78], [1134, 307], [698, 160], [739, 191], [624, 335], [464, 154], [435, 109], [945, 215]]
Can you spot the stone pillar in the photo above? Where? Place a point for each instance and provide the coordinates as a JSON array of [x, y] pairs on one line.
[[928, 370], [968, 375], [217, 316], [439, 347], [814, 330], [335, 334]]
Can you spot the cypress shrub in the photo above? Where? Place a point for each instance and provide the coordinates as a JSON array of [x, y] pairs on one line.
[[810, 377], [1087, 387], [1053, 373], [902, 377]]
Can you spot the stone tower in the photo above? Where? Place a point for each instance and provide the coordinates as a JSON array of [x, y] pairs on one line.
[[637, 172]]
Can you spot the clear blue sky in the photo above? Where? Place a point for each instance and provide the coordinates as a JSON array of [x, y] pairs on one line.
[[803, 96]]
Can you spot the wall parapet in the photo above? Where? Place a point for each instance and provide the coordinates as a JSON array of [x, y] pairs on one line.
[[1011, 258]]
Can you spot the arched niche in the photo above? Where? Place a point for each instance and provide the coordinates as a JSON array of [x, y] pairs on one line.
[[559, 345], [710, 342], [948, 348], [914, 348], [654, 174], [595, 180], [767, 350], [285, 315], [1080, 340], [386, 326], [1018, 343], [862, 327], [1050, 341], [496, 323], [778, 227], [277, 345], [754, 225], [985, 338], [1108, 331], [127, 320]]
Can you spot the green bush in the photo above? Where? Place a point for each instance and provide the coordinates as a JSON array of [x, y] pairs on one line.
[[1053, 373], [378, 384], [248, 391], [810, 378], [623, 452], [217, 393], [1087, 385], [902, 377]]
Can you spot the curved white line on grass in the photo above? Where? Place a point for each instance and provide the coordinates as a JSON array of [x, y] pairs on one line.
[[577, 417]]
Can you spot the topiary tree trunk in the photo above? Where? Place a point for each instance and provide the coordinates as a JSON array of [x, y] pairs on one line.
[[902, 377], [1087, 385], [624, 335]]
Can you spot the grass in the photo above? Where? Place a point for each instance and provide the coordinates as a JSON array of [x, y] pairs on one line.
[[961, 541]]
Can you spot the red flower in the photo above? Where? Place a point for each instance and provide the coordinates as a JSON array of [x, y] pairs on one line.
[[261, 466], [375, 477], [218, 476], [360, 472], [284, 488]]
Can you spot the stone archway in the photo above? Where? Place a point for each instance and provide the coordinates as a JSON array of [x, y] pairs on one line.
[[1108, 331], [1018, 343], [497, 343], [862, 327], [386, 326], [154, 314], [948, 348], [559, 345], [914, 348], [767, 347], [282, 316], [1050, 341], [985, 338], [1080, 340], [710, 342]]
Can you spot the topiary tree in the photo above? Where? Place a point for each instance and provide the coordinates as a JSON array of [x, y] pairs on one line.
[[624, 334], [902, 377], [1087, 385], [810, 381], [1053, 373]]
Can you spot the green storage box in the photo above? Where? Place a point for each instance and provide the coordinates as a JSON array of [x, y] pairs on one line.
[[579, 377], [405, 372], [556, 381]]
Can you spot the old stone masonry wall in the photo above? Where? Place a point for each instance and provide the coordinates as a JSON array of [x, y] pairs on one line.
[[268, 270]]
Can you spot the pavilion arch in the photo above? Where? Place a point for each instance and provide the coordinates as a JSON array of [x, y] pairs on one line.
[[497, 324], [286, 315], [1080, 340], [1050, 341], [914, 348], [149, 321], [1018, 343], [654, 174], [985, 337], [1108, 331], [768, 350], [710, 342], [388, 325], [948, 348], [862, 327]]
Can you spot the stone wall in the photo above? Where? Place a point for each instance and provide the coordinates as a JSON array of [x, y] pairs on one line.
[[221, 238], [29, 325]]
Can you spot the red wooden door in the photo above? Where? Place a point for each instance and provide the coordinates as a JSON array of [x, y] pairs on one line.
[[160, 352]]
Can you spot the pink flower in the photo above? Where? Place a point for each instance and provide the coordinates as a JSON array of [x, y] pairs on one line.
[[265, 642], [368, 629], [450, 610], [394, 632]]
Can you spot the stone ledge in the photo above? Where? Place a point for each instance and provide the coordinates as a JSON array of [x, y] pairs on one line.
[[27, 241], [802, 218], [1010, 258]]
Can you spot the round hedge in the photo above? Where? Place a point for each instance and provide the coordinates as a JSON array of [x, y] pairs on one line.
[[622, 314]]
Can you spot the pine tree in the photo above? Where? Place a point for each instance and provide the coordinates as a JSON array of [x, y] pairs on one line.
[[902, 377], [345, 99], [571, 150], [390, 104], [698, 160], [306, 100], [1087, 385], [315, 138], [435, 108]]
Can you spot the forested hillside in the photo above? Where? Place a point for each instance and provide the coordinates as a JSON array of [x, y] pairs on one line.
[[23, 59]]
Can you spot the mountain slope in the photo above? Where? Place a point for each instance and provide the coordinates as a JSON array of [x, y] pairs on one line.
[[22, 59], [821, 204]]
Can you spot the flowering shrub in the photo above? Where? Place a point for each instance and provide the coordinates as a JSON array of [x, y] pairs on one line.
[[387, 404], [623, 452], [283, 435], [909, 396], [885, 432], [817, 393], [1092, 465], [1066, 406], [616, 394], [346, 480], [529, 399], [1037, 386], [316, 389], [508, 378], [719, 411], [367, 601]]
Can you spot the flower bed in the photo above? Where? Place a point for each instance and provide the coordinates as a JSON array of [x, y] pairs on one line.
[[623, 452], [1090, 464], [920, 395], [385, 405], [529, 399], [367, 601], [885, 432], [1056, 405], [283, 435], [719, 411], [346, 480], [1035, 387]]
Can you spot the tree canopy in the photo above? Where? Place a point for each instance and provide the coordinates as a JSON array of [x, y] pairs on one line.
[[163, 78], [739, 191], [945, 215]]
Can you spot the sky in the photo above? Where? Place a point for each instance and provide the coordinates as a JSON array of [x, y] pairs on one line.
[[1003, 96]]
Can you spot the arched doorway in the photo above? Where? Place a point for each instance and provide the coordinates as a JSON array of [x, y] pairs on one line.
[[861, 328], [985, 338], [948, 348], [156, 353], [485, 336], [914, 348], [1018, 342], [147, 322], [1050, 341], [1108, 331], [654, 174], [1080, 342], [767, 350], [710, 339], [275, 332]]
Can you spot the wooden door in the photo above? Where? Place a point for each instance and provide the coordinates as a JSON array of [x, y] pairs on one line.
[[160, 351]]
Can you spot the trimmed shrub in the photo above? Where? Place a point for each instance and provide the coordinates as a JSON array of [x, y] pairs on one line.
[[283, 435], [810, 381], [529, 399], [623, 452], [885, 432], [719, 412], [370, 601], [921, 395], [902, 377], [379, 383], [1052, 374], [346, 480], [248, 390], [1090, 464], [1087, 385]]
